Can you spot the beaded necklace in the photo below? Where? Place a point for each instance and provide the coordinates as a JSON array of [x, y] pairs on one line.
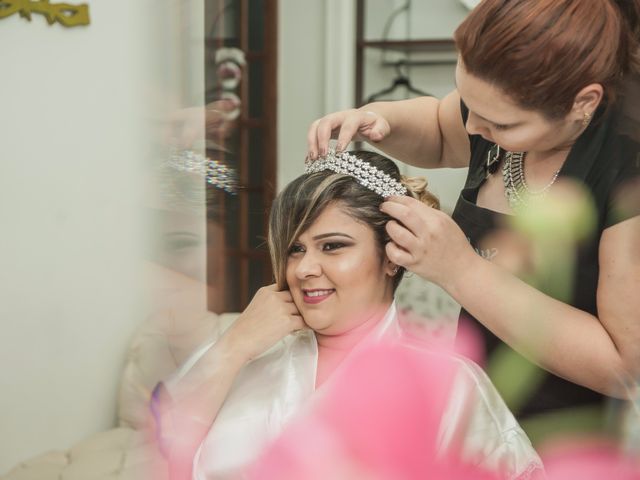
[[516, 189]]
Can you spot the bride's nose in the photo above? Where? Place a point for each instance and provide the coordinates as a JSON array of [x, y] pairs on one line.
[[308, 266]]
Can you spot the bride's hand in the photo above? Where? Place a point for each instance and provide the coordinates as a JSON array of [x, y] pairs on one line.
[[346, 126], [269, 317]]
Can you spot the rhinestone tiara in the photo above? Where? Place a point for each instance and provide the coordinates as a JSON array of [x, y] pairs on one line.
[[216, 173], [363, 172]]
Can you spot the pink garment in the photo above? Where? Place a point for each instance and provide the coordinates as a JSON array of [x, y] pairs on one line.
[[378, 419], [334, 349]]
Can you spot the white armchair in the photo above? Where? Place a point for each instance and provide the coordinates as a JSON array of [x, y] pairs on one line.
[[125, 452]]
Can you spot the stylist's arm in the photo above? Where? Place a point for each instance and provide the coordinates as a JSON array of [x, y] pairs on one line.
[[600, 353]]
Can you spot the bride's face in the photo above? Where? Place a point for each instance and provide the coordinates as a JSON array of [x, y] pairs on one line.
[[336, 273]]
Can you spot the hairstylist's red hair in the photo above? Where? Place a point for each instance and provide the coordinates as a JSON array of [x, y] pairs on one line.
[[543, 52]]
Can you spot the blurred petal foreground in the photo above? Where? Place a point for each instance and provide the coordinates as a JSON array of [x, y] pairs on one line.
[[379, 419]]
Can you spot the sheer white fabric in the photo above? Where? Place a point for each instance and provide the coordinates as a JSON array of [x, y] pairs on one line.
[[274, 386]]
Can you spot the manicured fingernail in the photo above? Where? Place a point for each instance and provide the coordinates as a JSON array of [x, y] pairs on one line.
[[339, 147]]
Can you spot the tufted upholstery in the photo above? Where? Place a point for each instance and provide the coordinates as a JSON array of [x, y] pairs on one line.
[[159, 346]]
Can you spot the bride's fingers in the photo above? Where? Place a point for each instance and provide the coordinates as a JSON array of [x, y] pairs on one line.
[[298, 323]]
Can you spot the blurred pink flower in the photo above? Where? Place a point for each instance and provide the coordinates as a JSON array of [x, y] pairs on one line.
[[377, 419], [589, 460]]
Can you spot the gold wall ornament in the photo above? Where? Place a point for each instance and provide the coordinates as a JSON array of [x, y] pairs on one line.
[[65, 14]]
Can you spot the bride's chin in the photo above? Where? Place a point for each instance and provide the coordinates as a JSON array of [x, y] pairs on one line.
[[317, 325], [306, 323]]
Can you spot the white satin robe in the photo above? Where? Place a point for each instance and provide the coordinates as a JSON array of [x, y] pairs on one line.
[[274, 386]]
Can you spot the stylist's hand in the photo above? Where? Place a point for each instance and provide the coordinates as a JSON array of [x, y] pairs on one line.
[[189, 125], [427, 241], [344, 126], [270, 316]]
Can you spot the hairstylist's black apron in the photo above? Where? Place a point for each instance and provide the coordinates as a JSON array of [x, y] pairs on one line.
[[602, 160]]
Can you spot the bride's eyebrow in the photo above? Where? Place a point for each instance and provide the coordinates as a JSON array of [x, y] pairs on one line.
[[332, 234]]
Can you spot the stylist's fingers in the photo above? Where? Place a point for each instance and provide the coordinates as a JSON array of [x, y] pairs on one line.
[[320, 133], [354, 122], [369, 125], [344, 126], [408, 216], [374, 127], [404, 200], [402, 237], [398, 255], [189, 134], [185, 126], [312, 140]]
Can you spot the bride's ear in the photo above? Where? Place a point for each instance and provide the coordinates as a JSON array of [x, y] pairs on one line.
[[390, 268]]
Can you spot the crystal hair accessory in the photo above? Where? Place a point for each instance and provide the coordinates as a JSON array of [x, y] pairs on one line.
[[216, 173], [364, 173]]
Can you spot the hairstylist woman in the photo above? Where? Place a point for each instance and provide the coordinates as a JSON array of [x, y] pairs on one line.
[[549, 82]]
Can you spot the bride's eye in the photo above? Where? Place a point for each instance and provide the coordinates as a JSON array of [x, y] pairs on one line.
[[329, 246], [297, 248]]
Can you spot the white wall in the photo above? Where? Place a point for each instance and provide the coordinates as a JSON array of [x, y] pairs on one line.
[[316, 70], [73, 142], [301, 80]]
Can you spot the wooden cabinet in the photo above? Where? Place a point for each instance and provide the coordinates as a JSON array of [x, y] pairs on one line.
[[237, 254]]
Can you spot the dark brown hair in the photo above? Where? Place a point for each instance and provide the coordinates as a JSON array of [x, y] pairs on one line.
[[305, 198], [543, 52]]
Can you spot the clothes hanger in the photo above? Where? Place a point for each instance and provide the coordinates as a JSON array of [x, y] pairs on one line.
[[401, 80]]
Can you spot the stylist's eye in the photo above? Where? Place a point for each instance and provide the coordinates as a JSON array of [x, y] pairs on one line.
[[330, 246], [501, 127]]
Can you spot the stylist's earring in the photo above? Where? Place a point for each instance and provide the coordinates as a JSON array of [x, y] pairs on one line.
[[586, 120], [395, 269]]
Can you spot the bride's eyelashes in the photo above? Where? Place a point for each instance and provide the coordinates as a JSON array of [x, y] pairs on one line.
[[325, 247], [331, 246], [296, 248]]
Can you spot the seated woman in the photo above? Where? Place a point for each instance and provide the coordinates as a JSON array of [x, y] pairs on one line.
[[334, 289]]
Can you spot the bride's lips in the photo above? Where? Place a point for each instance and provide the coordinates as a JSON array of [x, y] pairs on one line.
[[313, 296]]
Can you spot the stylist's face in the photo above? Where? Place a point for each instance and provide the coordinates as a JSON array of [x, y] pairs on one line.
[[494, 116], [336, 273]]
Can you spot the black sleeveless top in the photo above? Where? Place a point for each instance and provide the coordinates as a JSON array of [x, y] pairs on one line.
[[603, 160]]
